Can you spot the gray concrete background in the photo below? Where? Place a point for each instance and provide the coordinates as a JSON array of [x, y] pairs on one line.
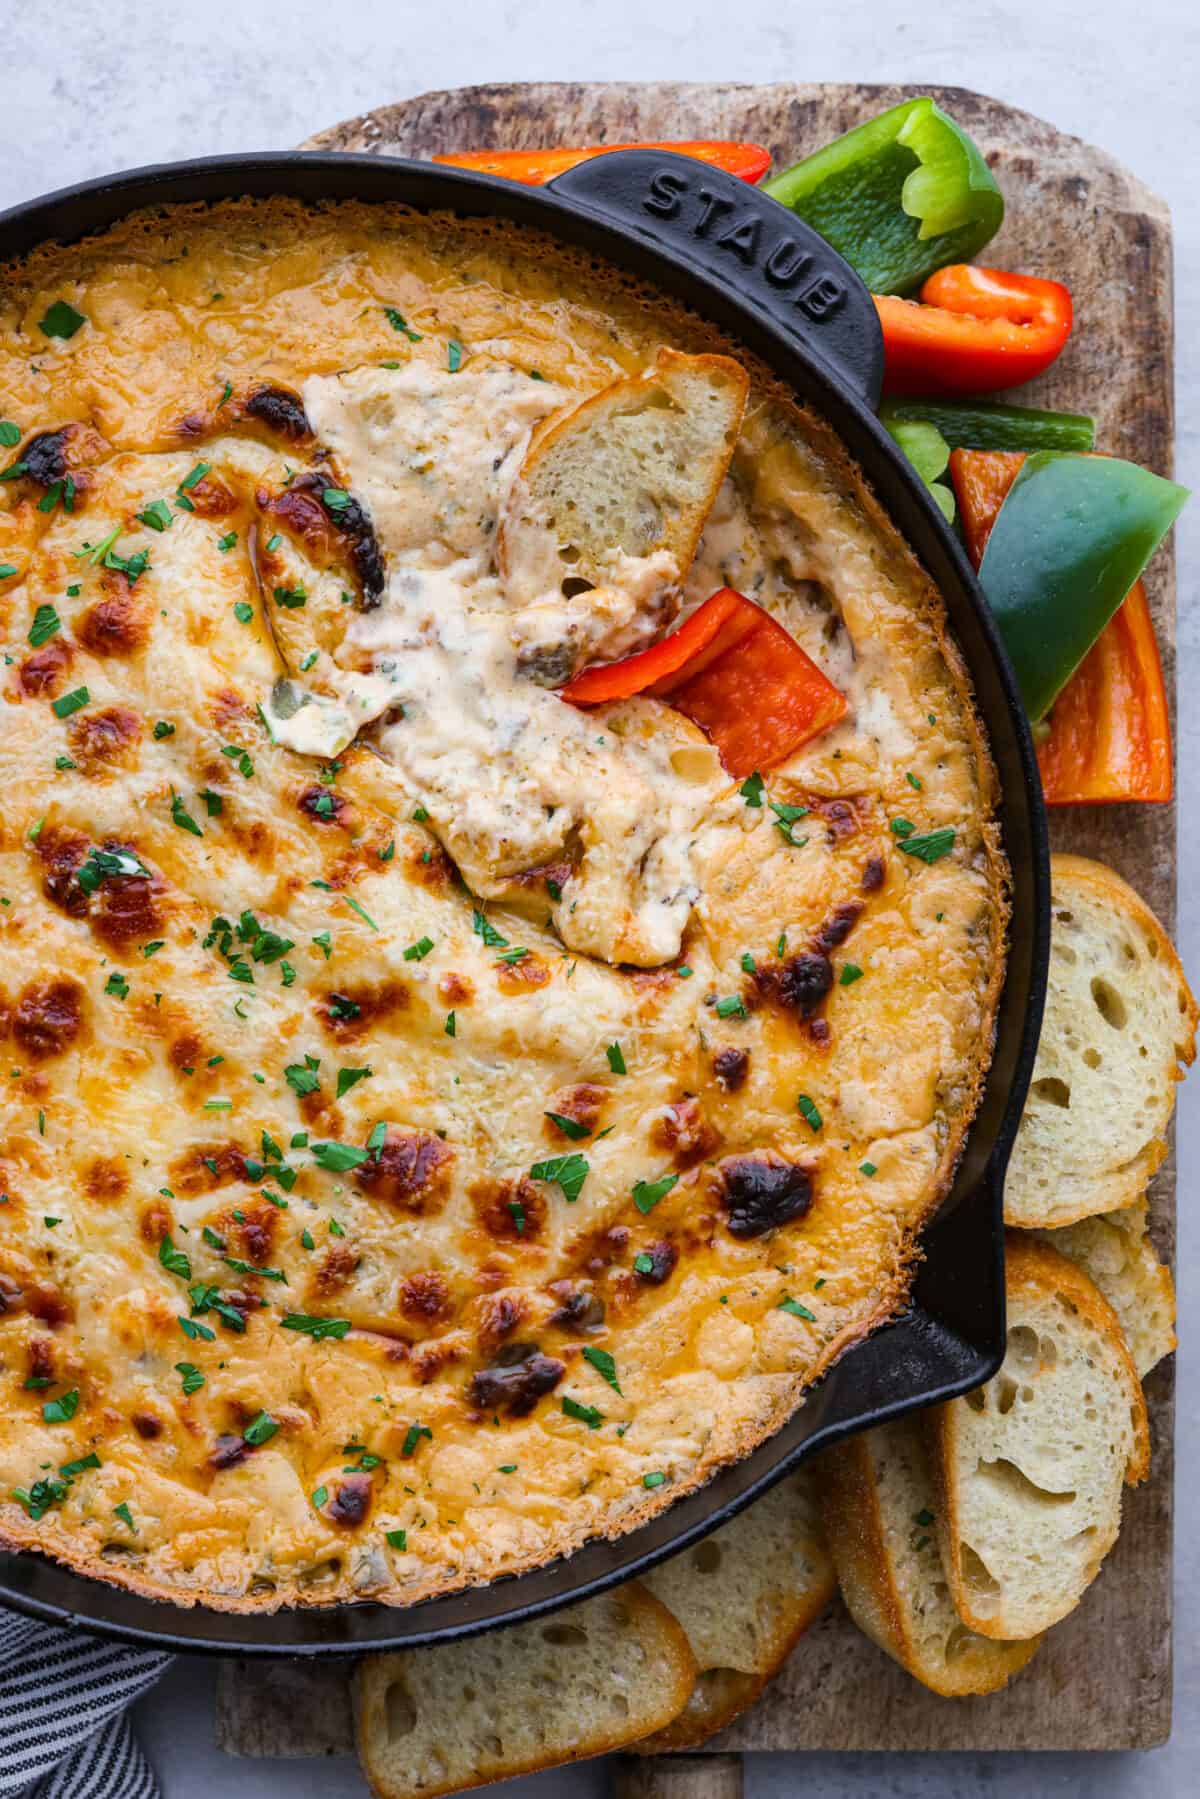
[[107, 84]]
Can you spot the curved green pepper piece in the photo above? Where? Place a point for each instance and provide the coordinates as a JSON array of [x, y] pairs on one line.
[[993, 425], [1070, 540], [929, 454], [898, 197]]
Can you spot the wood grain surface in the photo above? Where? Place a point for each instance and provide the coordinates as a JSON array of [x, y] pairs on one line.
[[1102, 1680]]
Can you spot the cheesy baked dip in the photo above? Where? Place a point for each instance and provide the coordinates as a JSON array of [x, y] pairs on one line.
[[440, 1123]]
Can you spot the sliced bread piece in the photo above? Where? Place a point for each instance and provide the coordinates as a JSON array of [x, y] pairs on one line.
[[630, 472], [1029, 1469], [1120, 1025], [1116, 1252], [879, 1503], [744, 1596], [583, 1682]]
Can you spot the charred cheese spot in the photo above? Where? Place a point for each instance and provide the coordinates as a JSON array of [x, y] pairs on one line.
[[873, 874], [512, 1211], [662, 1256], [127, 909], [582, 1104], [410, 1170], [211, 498], [207, 1166], [837, 927], [105, 1179], [731, 1066], [455, 990], [425, 1298], [428, 864], [147, 1426], [497, 1316], [42, 675], [102, 740], [118, 625], [350, 1502], [525, 976], [576, 1308], [685, 1132], [347, 532], [324, 806], [281, 411], [358, 1009], [515, 1381], [48, 1019], [334, 1271], [761, 1192], [800, 985]]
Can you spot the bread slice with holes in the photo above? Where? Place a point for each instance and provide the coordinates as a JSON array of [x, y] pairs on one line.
[[1029, 1470], [879, 1505], [1116, 1252], [583, 1682], [744, 1596], [1119, 1028], [630, 472]]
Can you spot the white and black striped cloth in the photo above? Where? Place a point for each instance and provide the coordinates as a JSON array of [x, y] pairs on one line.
[[63, 1729]]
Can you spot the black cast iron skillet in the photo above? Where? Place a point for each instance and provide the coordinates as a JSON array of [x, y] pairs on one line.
[[742, 261]]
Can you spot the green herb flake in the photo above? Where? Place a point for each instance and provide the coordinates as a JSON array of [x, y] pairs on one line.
[[646, 1194], [570, 1172], [46, 624], [194, 476], [454, 356], [71, 702], [570, 1127], [451, 1025], [350, 1077], [867, 1168], [157, 515], [616, 1059], [61, 320], [412, 1437], [174, 1260], [807, 1109], [290, 599], [788, 1304], [586, 1414], [751, 790], [930, 846], [398, 322], [914, 781], [338, 1158], [396, 1539], [732, 1006], [654, 1480], [319, 1329], [182, 817], [417, 952], [260, 1429], [62, 1409], [483, 928], [10, 434], [117, 985], [851, 972], [604, 1365]]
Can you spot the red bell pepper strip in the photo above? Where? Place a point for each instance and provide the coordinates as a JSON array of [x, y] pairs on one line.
[[734, 672], [974, 331], [1108, 734], [533, 168]]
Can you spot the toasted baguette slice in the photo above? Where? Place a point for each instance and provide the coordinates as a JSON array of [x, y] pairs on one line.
[[632, 471], [878, 1501], [1029, 1468], [1116, 1252], [744, 1596], [1120, 1021], [588, 1680]]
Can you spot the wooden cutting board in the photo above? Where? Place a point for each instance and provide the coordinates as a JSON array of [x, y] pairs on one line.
[[1102, 1679]]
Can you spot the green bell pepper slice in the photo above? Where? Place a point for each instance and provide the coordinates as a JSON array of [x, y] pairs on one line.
[[992, 425], [929, 454], [1070, 540], [900, 196]]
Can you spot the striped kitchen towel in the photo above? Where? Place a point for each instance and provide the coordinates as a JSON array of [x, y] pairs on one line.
[[63, 1729]]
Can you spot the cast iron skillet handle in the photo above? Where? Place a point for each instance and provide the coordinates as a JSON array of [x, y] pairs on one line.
[[724, 228]]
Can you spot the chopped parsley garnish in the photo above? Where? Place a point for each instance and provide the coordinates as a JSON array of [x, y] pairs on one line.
[[807, 1109], [163, 729], [194, 476], [183, 818], [569, 1171], [260, 1429], [195, 1331], [604, 1365], [751, 790], [7, 569], [61, 320], [748, 963], [174, 1260], [62, 1409], [643, 1264], [914, 781], [398, 323], [243, 612], [517, 1211], [123, 1512], [586, 1414], [350, 1077], [157, 515], [930, 846], [268, 1274], [324, 943], [570, 1127], [902, 827], [512, 956], [152, 949], [70, 702], [355, 907], [396, 1539], [732, 1006], [335, 499], [646, 1194], [788, 1304], [785, 819], [413, 1436], [240, 759], [851, 972], [301, 1076], [38, 1498], [341, 1006], [10, 434], [320, 1495], [46, 624], [683, 972], [117, 985], [290, 599], [226, 543], [489, 933], [319, 1329], [213, 802], [100, 865], [206, 1298], [338, 1158], [616, 1060], [653, 1480], [454, 355], [416, 952], [451, 1025]]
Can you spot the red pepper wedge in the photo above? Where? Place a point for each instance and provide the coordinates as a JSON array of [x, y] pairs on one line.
[[733, 671], [1108, 735], [975, 330], [533, 168]]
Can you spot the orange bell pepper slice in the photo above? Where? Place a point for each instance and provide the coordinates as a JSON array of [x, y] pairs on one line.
[[733, 671], [1108, 735], [975, 330], [533, 168]]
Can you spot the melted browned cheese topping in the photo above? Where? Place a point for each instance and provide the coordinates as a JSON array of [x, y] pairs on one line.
[[358, 1238]]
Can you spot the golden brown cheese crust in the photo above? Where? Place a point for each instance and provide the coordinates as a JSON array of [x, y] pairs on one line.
[[203, 978]]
